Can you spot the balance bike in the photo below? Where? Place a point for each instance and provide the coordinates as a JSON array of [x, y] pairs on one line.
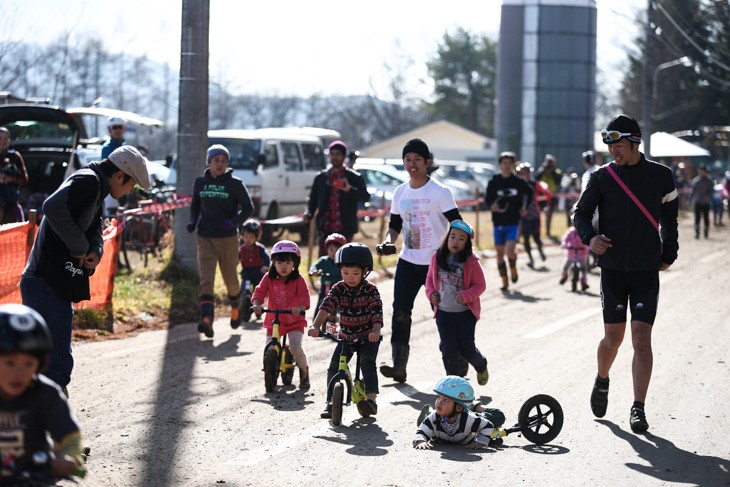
[[343, 378], [277, 356]]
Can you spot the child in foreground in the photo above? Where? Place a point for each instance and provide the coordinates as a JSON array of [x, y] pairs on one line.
[[286, 289], [454, 284], [455, 417], [32, 407], [361, 315]]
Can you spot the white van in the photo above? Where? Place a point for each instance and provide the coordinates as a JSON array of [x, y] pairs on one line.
[[277, 166]]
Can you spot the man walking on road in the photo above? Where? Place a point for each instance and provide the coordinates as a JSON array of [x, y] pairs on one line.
[[508, 196], [632, 194], [334, 197], [702, 192]]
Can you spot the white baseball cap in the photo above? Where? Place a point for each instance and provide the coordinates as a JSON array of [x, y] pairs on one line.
[[129, 160], [115, 121]]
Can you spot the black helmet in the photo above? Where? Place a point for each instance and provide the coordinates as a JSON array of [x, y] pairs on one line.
[[589, 156], [355, 253], [23, 329]]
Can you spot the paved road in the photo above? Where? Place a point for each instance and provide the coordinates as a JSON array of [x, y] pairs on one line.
[[169, 408]]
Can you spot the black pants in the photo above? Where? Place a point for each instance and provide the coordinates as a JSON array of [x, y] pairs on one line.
[[703, 212]]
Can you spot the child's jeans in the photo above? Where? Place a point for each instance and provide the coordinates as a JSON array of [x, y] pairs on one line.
[[295, 345], [457, 338], [368, 356]]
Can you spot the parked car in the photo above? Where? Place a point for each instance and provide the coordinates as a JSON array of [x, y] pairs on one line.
[[277, 165], [381, 180], [54, 144]]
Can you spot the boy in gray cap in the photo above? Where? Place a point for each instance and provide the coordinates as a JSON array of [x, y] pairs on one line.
[[69, 246]]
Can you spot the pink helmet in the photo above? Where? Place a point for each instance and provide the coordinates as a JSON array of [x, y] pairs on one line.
[[286, 246]]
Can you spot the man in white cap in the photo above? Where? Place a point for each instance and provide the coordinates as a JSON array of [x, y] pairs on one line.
[[117, 127], [69, 246]]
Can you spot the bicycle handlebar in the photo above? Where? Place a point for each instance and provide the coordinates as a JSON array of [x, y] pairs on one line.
[[337, 339], [277, 311]]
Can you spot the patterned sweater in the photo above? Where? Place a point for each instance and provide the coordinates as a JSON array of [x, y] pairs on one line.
[[360, 307]]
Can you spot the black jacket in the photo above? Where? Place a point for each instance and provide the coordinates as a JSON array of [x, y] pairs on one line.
[[319, 199], [635, 242], [216, 200]]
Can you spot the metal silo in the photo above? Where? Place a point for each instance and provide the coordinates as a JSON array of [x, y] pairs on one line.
[[546, 79]]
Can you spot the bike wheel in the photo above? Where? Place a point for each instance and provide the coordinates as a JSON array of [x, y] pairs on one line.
[[543, 417], [286, 377], [246, 307], [337, 400], [271, 368]]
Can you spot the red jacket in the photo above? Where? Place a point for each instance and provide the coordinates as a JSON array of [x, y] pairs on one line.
[[283, 296], [474, 283]]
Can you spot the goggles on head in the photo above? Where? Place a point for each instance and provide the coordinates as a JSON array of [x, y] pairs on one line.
[[611, 136]]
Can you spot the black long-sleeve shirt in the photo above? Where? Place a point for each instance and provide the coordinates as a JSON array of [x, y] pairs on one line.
[[635, 243]]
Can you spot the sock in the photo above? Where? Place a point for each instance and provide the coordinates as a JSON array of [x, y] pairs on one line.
[[638, 405], [601, 382]]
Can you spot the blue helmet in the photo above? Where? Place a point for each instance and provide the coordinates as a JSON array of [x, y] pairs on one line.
[[457, 389]]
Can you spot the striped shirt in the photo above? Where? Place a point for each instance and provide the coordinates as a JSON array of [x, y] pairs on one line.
[[360, 307], [469, 427]]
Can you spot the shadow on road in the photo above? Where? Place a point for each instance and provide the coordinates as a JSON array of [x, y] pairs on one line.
[[286, 398], [671, 464], [364, 437], [174, 396]]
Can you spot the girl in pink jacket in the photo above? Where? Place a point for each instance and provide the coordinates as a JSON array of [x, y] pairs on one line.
[[286, 289], [575, 249], [454, 284]]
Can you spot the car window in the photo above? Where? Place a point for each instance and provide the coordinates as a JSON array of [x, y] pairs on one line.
[[292, 159], [314, 159], [272, 156], [21, 130]]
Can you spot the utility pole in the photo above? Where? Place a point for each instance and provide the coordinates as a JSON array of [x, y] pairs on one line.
[[192, 128], [648, 95]]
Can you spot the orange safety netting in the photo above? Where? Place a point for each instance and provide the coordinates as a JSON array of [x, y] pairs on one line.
[[16, 241]]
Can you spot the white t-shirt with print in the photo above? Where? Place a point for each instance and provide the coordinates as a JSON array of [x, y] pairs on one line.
[[424, 223]]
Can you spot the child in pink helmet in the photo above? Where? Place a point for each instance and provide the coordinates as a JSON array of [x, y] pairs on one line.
[[285, 288]]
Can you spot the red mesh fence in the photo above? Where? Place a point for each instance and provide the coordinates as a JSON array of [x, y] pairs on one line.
[[16, 240]]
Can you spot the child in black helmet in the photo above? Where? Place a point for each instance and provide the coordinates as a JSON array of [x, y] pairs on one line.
[[361, 314], [31, 405]]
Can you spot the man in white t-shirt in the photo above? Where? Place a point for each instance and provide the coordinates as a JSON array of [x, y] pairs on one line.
[[422, 209]]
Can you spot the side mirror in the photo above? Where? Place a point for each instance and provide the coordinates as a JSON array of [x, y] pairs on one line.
[[260, 163]]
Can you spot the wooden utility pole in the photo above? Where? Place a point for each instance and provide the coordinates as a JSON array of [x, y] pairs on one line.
[[192, 128], [648, 94]]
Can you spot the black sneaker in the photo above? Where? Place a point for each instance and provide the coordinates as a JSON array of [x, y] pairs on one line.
[[367, 407], [638, 420], [599, 399], [327, 413], [206, 326]]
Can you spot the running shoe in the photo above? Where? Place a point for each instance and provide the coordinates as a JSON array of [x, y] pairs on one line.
[[638, 420], [235, 317], [599, 399]]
